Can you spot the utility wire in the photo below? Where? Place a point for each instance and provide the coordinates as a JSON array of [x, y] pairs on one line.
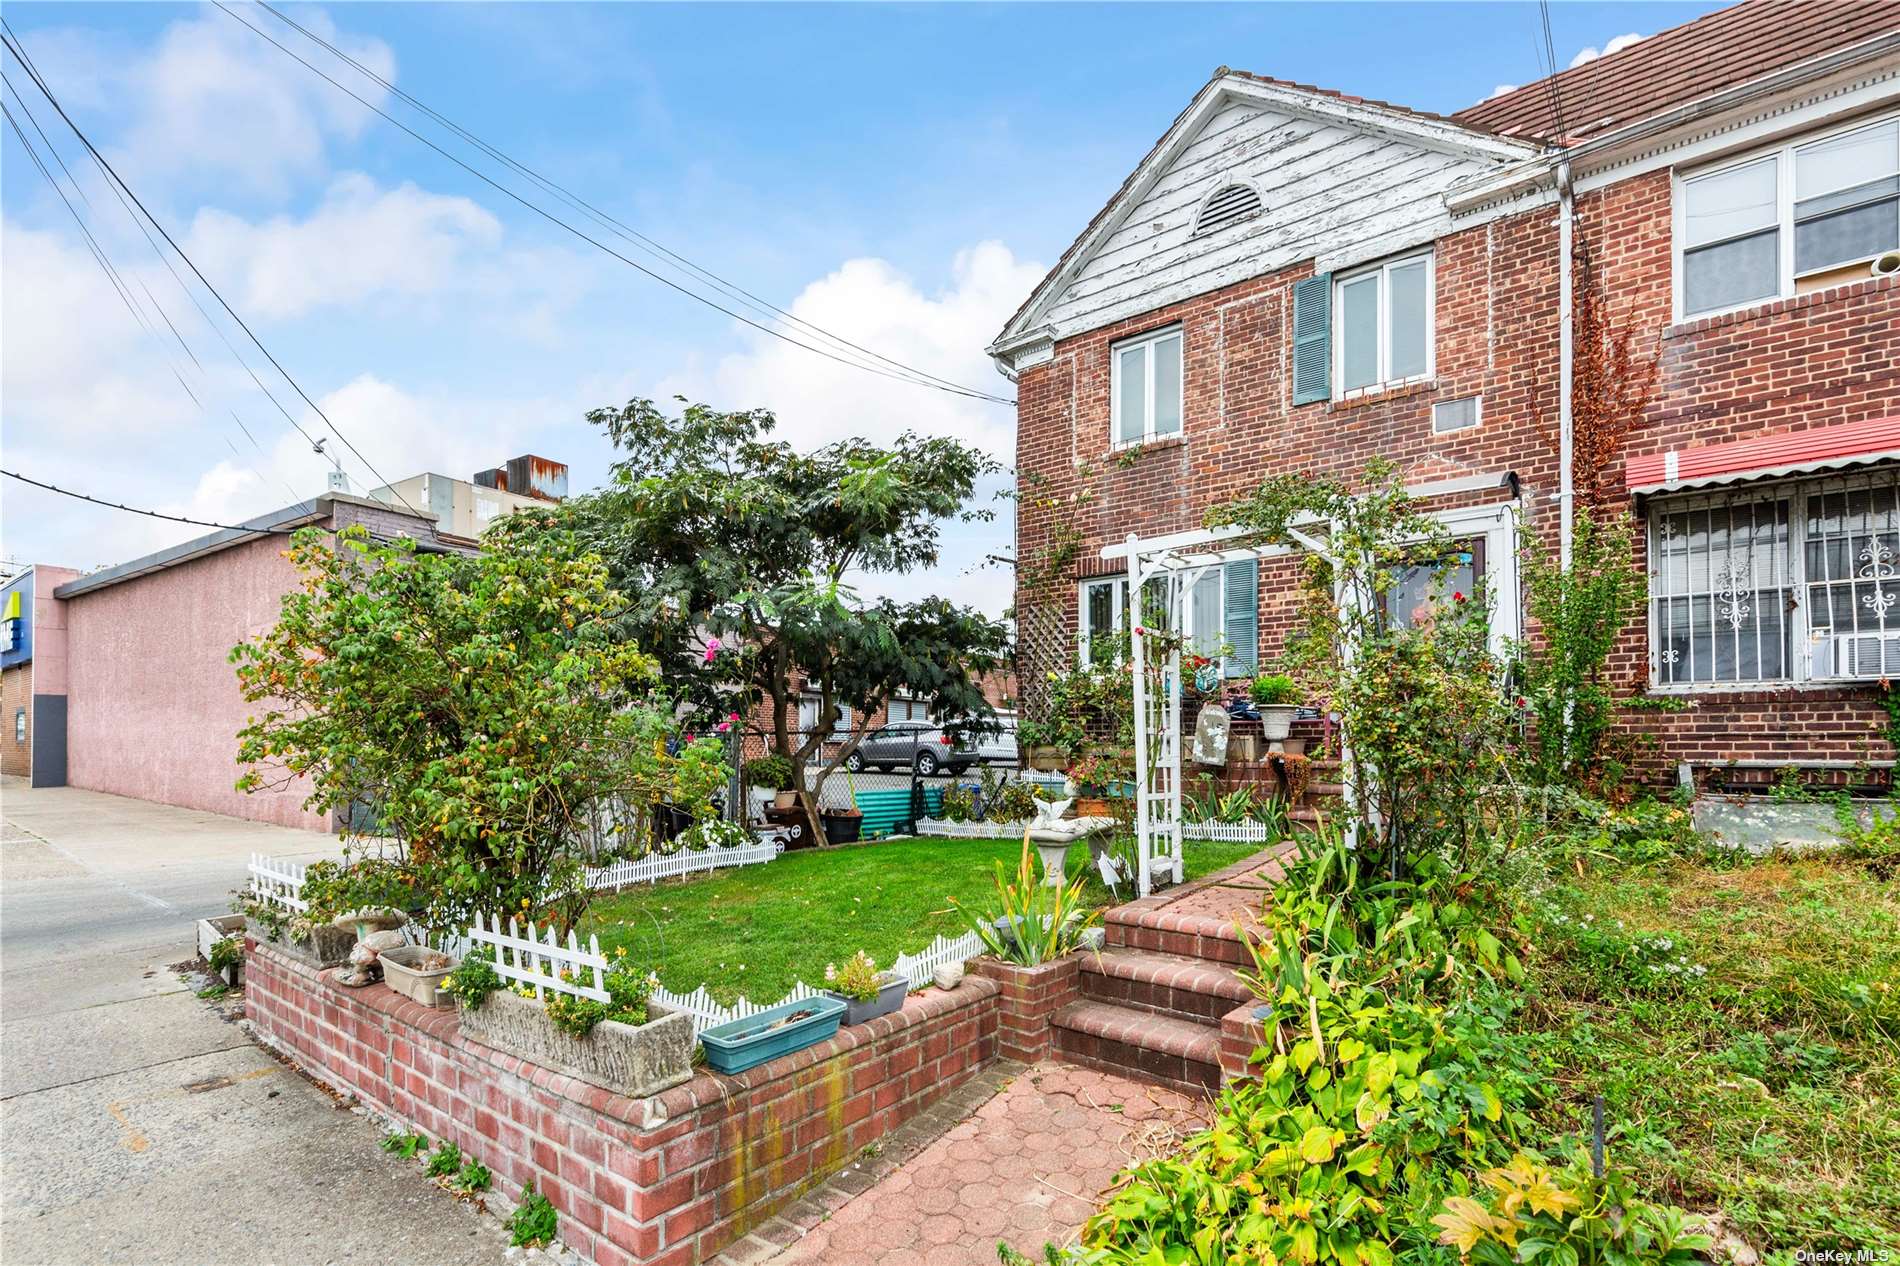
[[910, 376], [104, 260], [1555, 93], [731, 289], [150, 514], [10, 39]]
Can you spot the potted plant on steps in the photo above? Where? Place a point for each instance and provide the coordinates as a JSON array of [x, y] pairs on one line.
[[1278, 698], [866, 992]]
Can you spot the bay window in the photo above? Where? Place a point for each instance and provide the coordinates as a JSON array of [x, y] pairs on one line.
[[1383, 318], [1783, 583], [1799, 218]]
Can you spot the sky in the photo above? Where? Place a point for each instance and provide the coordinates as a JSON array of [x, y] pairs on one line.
[[900, 176]]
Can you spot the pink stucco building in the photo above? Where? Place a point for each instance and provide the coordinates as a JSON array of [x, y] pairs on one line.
[[152, 702]]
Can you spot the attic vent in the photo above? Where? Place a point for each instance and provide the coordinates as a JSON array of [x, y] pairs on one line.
[[1231, 204]]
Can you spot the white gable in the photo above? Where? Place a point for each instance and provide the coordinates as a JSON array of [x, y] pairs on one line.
[[1339, 181]]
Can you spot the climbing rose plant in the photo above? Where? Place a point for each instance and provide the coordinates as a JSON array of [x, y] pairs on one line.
[[471, 706]]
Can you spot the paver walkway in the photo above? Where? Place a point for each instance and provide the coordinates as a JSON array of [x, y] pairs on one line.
[[1027, 1168]]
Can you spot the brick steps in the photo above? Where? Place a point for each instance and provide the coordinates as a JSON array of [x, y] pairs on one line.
[[1171, 985], [1180, 1054]]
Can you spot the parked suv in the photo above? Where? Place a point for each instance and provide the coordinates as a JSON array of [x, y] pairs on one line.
[[919, 744]]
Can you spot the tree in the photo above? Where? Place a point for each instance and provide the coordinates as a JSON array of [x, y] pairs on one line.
[[737, 550], [478, 705]]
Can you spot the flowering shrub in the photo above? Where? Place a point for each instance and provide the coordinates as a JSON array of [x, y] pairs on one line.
[[714, 833], [474, 978]]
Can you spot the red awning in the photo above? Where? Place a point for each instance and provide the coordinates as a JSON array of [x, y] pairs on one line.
[[1789, 453]]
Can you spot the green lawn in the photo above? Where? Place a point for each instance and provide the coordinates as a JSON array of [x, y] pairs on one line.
[[1767, 1083], [758, 929]]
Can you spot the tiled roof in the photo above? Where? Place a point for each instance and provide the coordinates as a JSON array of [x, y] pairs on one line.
[[1728, 47]]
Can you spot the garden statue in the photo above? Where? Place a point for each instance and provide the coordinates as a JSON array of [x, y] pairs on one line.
[[375, 932], [1210, 735]]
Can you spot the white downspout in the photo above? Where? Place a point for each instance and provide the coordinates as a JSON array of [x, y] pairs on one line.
[[1566, 357]]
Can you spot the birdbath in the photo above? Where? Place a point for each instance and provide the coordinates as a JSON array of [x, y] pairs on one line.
[[1052, 838], [375, 932]]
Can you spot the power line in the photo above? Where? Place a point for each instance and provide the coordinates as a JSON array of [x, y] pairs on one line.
[[909, 376], [1555, 93], [104, 260], [11, 40], [732, 289], [150, 514]]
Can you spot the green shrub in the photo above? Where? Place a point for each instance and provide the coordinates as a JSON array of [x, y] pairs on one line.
[[1013, 802], [474, 1176], [628, 992], [226, 952]]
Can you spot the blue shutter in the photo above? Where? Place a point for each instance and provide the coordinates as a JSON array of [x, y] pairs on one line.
[[1313, 339], [1242, 617]]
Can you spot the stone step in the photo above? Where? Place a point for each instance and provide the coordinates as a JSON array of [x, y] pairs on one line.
[[1179, 1054], [1166, 984]]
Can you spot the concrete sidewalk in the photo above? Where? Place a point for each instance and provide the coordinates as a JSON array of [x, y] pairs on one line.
[[137, 1123]]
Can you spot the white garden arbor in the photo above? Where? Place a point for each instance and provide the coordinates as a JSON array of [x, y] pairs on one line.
[[1162, 570]]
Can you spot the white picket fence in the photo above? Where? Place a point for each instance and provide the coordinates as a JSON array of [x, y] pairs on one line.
[[278, 883], [534, 961], [657, 866], [1248, 832], [946, 829], [916, 968]]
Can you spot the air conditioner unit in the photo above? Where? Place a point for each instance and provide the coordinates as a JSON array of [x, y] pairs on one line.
[[1866, 655], [1886, 265]]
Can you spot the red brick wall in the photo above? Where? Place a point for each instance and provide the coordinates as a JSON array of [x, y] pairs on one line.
[[1031, 996], [666, 1180], [16, 692], [1815, 360]]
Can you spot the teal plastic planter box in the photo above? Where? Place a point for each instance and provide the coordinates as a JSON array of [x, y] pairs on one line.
[[737, 1045]]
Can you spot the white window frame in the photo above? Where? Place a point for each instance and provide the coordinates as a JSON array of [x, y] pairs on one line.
[[1794, 566], [1784, 156], [1383, 270], [1118, 613], [1146, 342]]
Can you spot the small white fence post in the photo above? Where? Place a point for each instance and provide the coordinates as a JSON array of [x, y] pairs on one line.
[[539, 963]]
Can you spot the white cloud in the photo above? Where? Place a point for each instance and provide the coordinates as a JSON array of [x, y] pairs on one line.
[[817, 401], [874, 305], [1617, 45], [1500, 90], [359, 242], [212, 101]]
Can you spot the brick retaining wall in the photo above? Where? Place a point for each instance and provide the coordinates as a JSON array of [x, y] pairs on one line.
[[664, 1181]]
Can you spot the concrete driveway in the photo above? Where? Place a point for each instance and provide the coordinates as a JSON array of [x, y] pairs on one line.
[[139, 1124]]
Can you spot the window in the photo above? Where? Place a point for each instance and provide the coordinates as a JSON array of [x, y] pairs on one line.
[[1145, 394], [904, 709], [1778, 224], [1791, 582], [1220, 605], [1417, 586], [1383, 320], [808, 716], [1456, 415], [19, 725]]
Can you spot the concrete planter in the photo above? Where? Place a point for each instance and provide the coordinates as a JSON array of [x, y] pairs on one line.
[[211, 931], [889, 998], [402, 971], [1276, 720], [326, 946], [631, 1061]]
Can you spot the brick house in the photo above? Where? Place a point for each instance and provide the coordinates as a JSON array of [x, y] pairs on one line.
[[1297, 280]]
